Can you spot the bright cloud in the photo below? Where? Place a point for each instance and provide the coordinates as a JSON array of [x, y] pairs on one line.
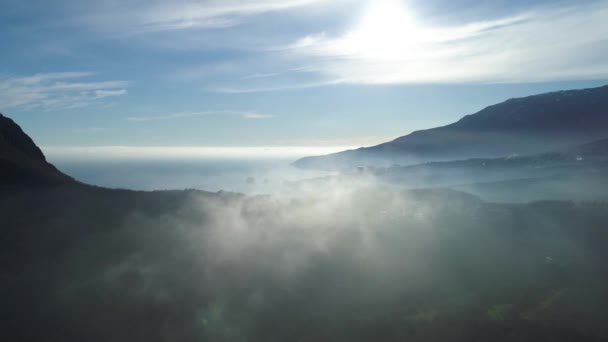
[[390, 45], [51, 91]]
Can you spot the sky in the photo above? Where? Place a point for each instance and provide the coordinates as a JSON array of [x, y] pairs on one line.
[[92, 75]]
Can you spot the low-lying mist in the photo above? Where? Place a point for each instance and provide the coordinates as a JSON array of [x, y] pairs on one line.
[[340, 259], [250, 176]]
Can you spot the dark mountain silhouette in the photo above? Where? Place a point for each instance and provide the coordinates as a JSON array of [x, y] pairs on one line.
[[518, 126], [22, 162]]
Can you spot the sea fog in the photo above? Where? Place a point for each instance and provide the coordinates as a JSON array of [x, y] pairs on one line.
[[250, 176], [243, 170]]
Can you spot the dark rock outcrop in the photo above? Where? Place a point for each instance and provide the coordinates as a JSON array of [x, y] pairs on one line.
[[22, 162]]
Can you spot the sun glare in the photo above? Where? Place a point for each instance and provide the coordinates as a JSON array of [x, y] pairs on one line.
[[387, 30]]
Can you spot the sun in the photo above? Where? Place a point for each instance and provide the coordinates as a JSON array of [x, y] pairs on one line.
[[387, 30]]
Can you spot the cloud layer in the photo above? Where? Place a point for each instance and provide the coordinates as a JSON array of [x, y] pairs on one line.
[[391, 46], [384, 42], [390, 43]]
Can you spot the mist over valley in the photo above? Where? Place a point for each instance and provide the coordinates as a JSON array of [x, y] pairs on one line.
[[303, 170], [506, 248]]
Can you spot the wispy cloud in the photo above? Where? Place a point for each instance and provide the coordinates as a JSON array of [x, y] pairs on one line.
[[182, 115], [51, 91], [267, 89], [390, 46], [100, 94], [260, 75], [256, 116], [134, 18], [213, 13]]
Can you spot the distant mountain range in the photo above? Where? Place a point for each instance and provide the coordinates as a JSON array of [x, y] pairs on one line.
[[22, 162], [526, 125], [589, 155], [574, 173]]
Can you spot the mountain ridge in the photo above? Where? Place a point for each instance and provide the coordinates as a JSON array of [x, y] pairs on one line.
[[577, 172], [22, 162], [525, 125]]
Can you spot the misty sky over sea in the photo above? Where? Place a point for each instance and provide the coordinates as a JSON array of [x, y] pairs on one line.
[[245, 170]]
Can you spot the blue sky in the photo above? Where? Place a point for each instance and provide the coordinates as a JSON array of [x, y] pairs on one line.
[[229, 73]]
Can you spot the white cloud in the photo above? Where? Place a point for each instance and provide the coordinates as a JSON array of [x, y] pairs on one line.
[[100, 94], [52, 91], [390, 46], [182, 115]]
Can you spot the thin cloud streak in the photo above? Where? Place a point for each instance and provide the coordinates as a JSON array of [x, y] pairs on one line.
[[52, 91], [183, 115], [214, 13], [260, 75], [262, 89], [165, 16], [256, 116]]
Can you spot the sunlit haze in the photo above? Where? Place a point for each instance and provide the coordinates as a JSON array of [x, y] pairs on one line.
[[282, 73], [132, 153]]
